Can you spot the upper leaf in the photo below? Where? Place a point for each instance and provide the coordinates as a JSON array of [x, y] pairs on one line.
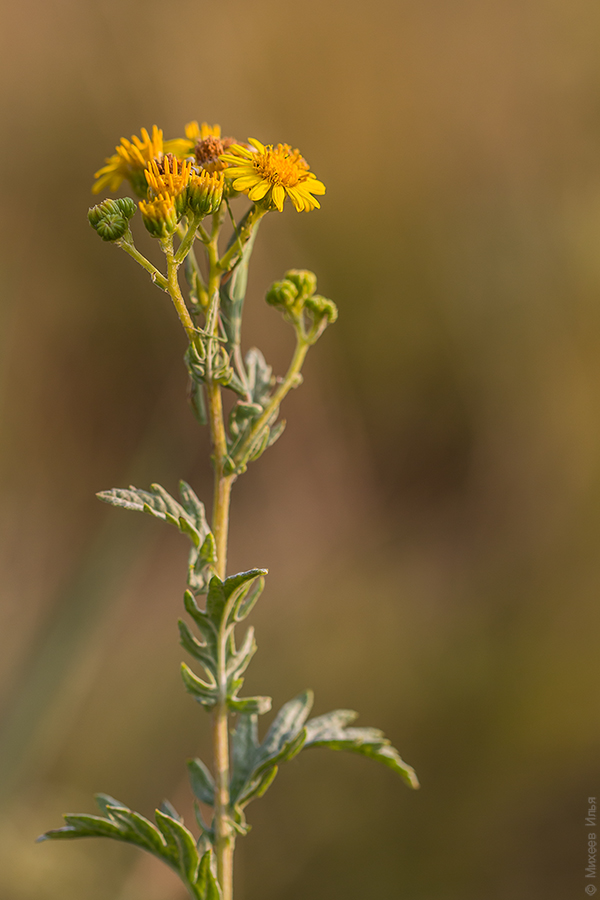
[[330, 730], [188, 516]]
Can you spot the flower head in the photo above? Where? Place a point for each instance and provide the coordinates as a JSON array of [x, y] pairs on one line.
[[132, 157], [210, 146], [129, 162], [160, 215], [268, 174], [205, 192], [169, 177]]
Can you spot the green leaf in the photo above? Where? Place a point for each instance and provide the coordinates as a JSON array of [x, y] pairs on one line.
[[245, 602], [244, 745], [286, 726], [81, 825], [255, 765], [224, 597], [236, 589], [176, 834], [260, 376], [330, 731], [202, 782], [148, 835], [199, 651], [104, 801], [259, 705], [240, 660], [204, 693], [189, 519], [206, 884]]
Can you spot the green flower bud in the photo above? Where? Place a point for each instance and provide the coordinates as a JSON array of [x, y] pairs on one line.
[[282, 294], [321, 307], [109, 218], [205, 193], [305, 281], [127, 206]]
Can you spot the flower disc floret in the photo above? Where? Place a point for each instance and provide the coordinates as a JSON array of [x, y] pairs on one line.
[[268, 174]]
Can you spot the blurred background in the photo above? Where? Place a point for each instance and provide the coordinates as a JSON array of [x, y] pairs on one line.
[[431, 517]]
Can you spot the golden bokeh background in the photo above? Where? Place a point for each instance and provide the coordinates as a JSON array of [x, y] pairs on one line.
[[431, 517]]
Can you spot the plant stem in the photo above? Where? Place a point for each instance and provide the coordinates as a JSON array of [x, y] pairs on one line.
[[126, 243], [224, 834], [175, 291]]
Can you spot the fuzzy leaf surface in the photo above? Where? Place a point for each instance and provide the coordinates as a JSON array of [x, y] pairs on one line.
[[330, 730]]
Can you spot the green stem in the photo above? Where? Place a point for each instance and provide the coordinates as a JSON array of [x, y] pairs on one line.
[[291, 380], [229, 258], [188, 240], [175, 290], [224, 834], [157, 277]]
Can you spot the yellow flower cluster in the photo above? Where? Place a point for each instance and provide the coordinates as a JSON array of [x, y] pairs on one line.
[[155, 168]]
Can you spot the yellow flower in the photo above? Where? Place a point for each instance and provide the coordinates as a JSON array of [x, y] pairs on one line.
[[160, 215], [183, 147], [268, 174], [169, 177], [205, 192], [129, 162]]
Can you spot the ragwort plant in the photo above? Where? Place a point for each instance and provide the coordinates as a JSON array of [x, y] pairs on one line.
[[181, 184]]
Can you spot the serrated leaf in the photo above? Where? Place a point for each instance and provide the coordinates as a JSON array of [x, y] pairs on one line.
[[245, 603], [255, 765], [80, 825], [239, 661], [203, 692], [194, 507], [329, 731], [260, 376], [167, 807], [147, 833], [200, 617], [157, 503], [244, 745], [208, 550], [199, 651], [176, 833], [259, 705], [236, 589], [215, 600], [285, 727], [202, 782], [276, 433], [104, 801], [258, 786]]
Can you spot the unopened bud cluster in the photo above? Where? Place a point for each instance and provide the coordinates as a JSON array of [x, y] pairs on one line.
[[111, 218], [295, 295]]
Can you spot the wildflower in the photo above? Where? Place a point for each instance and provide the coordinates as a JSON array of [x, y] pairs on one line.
[[129, 162], [170, 177], [210, 147], [160, 215], [267, 174], [205, 192]]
